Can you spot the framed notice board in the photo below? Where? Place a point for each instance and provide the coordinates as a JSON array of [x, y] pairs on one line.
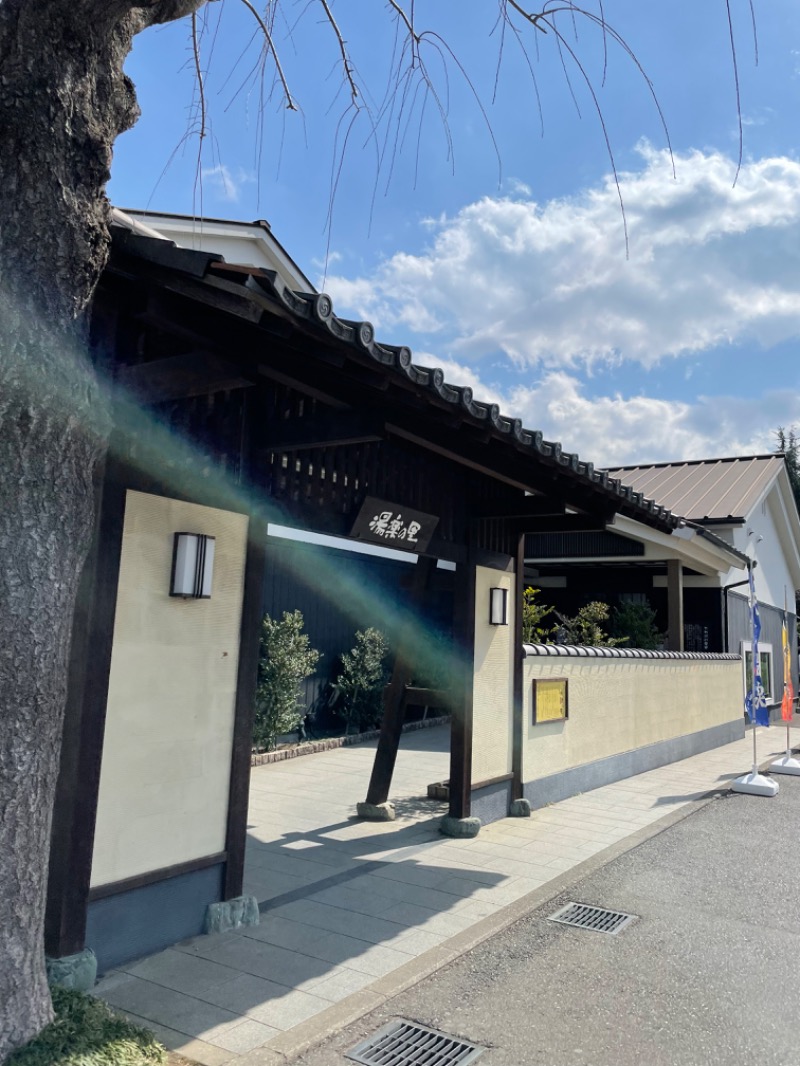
[[550, 702]]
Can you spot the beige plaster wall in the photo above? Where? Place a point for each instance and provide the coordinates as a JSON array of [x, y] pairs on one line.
[[492, 688], [617, 705], [167, 748]]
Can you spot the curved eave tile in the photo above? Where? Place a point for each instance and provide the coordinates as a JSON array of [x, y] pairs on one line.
[[317, 310]]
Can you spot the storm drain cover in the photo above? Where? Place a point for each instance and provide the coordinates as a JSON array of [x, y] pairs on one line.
[[402, 1043], [599, 920]]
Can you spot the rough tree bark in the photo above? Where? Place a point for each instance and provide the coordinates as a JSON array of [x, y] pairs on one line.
[[63, 101]]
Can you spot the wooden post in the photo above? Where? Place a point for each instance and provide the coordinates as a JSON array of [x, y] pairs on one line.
[[246, 680], [75, 808], [675, 605], [461, 725], [518, 715], [393, 701]]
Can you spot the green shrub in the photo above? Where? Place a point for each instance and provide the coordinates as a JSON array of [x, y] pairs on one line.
[[286, 661], [533, 614], [586, 628], [86, 1032], [636, 623], [362, 679]]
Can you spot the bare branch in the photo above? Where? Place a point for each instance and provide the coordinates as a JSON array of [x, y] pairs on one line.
[[290, 104], [198, 70], [735, 63], [347, 65]]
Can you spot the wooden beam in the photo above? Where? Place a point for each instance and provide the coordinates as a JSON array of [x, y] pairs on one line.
[[461, 724], [517, 692], [674, 605], [325, 430], [528, 507], [179, 376], [75, 808], [394, 696], [154, 877], [568, 523], [244, 711]]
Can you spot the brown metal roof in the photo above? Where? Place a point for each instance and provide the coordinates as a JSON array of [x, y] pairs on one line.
[[705, 489]]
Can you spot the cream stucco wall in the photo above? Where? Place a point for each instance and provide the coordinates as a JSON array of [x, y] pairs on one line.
[[167, 749], [492, 688], [618, 705]]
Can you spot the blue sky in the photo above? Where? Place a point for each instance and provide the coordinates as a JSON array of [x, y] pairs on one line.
[[513, 275]]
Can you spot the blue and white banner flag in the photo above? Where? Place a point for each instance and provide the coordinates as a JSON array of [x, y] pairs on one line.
[[755, 702]]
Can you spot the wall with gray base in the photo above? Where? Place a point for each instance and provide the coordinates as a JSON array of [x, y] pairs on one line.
[[616, 767], [491, 802], [136, 923]]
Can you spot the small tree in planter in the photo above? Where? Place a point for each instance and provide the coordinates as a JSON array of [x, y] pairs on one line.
[[286, 661], [362, 680]]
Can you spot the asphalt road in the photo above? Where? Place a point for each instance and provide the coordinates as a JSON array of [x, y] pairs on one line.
[[708, 973]]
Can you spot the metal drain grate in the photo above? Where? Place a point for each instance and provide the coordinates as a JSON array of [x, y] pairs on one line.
[[407, 1044], [599, 920]]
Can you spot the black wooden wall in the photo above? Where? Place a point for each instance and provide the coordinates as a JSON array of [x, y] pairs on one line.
[[339, 592]]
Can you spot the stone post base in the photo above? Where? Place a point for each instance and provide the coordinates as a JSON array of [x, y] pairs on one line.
[[376, 812], [73, 971], [231, 913], [519, 809], [460, 827]]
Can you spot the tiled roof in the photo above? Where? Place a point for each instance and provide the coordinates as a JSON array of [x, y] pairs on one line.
[[315, 310], [705, 489]]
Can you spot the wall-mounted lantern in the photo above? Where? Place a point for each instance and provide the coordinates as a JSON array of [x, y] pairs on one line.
[[498, 607], [192, 566]]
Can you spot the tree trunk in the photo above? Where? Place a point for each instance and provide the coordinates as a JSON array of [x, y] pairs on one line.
[[63, 101], [49, 443]]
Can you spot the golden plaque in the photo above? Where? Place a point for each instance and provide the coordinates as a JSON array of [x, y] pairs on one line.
[[550, 700]]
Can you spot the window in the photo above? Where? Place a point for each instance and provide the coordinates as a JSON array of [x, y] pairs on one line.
[[765, 655]]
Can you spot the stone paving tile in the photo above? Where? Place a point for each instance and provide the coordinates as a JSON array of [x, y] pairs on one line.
[[339, 920], [278, 965], [181, 972], [277, 1011], [217, 997], [196, 1050], [340, 983], [175, 1010], [245, 1035], [418, 941]]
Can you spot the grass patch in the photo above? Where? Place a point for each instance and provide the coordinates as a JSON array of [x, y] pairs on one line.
[[86, 1032]]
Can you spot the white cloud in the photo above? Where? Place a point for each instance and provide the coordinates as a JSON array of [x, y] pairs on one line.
[[224, 183], [621, 430], [549, 285]]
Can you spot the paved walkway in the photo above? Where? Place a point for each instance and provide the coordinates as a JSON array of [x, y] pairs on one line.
[[352, 912]]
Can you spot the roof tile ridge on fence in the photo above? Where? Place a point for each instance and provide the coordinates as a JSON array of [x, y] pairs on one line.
[[584, 651]]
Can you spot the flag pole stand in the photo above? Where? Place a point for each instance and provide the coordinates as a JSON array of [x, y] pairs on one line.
[[754, 783], [787, 764]]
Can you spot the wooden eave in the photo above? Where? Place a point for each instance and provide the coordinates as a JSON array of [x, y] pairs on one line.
[[262, 329]]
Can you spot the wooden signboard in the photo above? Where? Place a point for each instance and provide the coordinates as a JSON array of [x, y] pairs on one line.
[[550, 700], [380, 522]]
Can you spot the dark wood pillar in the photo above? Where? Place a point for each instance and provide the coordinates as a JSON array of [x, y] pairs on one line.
[[461, 725], [675, 605], [518, 711], [75, 810], [244, 712], [394, 698]]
